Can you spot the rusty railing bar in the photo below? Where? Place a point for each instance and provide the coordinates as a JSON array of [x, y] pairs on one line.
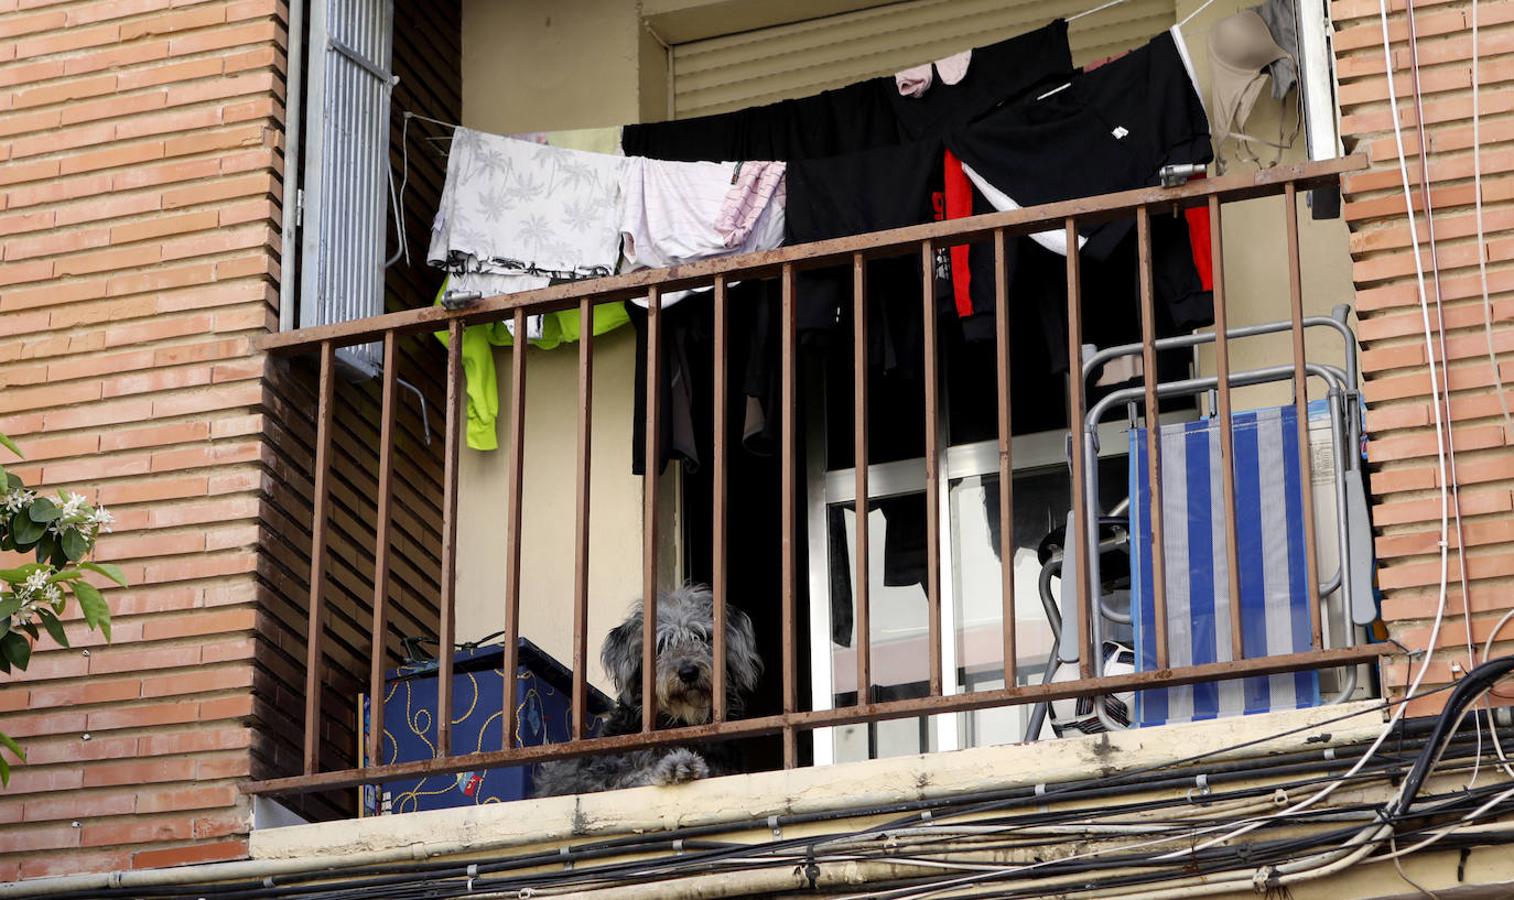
[[447, 615], [1080, 511], [316, 628], [1301, 409], [381, 548], [1090, 210], [1227, 427], [718, 572], [518, 352], [1153, 436], [862, 640], [583, 477], [932, 465], [1006, 456], [651, 469], [790, 539], [824, 718]]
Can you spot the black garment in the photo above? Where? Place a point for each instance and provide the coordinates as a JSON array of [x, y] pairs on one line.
[[838, 196], [1110, 130], [687, 414], [859, 116]]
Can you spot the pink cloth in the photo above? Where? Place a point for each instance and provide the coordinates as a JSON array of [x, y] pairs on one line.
[[754, 186], [916, 80]]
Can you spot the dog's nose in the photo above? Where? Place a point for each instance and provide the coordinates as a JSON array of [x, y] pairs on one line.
[[688, 674]]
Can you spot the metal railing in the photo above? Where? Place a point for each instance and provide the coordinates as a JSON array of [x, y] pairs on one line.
[[1285, 181]]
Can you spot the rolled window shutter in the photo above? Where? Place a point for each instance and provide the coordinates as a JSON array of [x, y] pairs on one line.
[[346, 154], [770, 64]]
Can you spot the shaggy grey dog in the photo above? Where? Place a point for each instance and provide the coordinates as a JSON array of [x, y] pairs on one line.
[[685, 669]]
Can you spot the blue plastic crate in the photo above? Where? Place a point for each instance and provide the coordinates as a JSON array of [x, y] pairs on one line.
[[543, 715]]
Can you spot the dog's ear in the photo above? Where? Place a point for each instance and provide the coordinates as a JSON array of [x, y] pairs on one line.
[[621, 657], [743, 664]]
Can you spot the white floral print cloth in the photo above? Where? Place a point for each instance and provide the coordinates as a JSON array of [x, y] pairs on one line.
[[513, 207]]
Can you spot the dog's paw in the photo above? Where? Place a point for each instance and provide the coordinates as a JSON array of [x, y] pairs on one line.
[[679, 766]]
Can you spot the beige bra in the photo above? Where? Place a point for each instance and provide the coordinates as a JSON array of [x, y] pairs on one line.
[[1240, 49]]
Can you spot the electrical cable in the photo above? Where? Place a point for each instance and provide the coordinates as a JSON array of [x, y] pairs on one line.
[[1449, 458], [1482, 253]]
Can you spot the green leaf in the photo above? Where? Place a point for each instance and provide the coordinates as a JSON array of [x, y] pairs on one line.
[[13, 481], [53, 626], [16, 751], [31, 629], [25, 531], [75, 545], [9, 606], [43, 510], [92, 604], [16, 649], [10, 445], [113, 572], [19, 573], [47, 547], [66, 575]]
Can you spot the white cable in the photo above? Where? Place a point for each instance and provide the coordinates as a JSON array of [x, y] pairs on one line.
[[1189, 18], [1440, 443], [1448, 456], [1100, 8], [1482, 259]]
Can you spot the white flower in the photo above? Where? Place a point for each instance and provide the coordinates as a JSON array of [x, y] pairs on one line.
[[17, 500], [101, 519], [72, 506], [36, 582], [52, 594]]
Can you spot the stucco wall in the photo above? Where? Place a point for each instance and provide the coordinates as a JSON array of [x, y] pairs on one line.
[[531, 66]]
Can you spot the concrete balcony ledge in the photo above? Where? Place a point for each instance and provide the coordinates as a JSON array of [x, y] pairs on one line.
[[745, 802]]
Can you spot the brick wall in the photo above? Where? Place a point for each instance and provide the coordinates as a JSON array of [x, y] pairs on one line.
[[1403, 447], [140, 166]]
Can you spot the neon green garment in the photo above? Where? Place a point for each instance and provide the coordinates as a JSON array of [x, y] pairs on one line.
[[478, 360]]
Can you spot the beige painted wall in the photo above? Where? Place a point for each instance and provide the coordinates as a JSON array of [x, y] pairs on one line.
[[542, 65], [1256, 271]]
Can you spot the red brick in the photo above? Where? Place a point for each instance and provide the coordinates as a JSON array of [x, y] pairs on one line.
[[73, 749], [108, 260], [201, 681], [105, 834], [17, 173], [75, 862], [47, 696], [143, 716], [123, 659], [78, 806], [221, 38], [113, 9], [33, 780], [141, 490], [22, 123], [112, 57], [138, 772], [66, 40], [30, 840], [234, 766], [196, 17], [64, 91], [19, 25], [29, 73], [200, 624], [51, 243], [40, 723], [208, 737], [163, 174], [194, 853], [187, 798], [172, 72]]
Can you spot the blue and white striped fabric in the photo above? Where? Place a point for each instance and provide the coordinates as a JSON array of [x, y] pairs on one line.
[[1270, 544]]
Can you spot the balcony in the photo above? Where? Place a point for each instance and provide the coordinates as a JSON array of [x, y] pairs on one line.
[[947, 660]]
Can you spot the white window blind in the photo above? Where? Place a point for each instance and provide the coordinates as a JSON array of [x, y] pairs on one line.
[[770, 64], [344, 203]]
